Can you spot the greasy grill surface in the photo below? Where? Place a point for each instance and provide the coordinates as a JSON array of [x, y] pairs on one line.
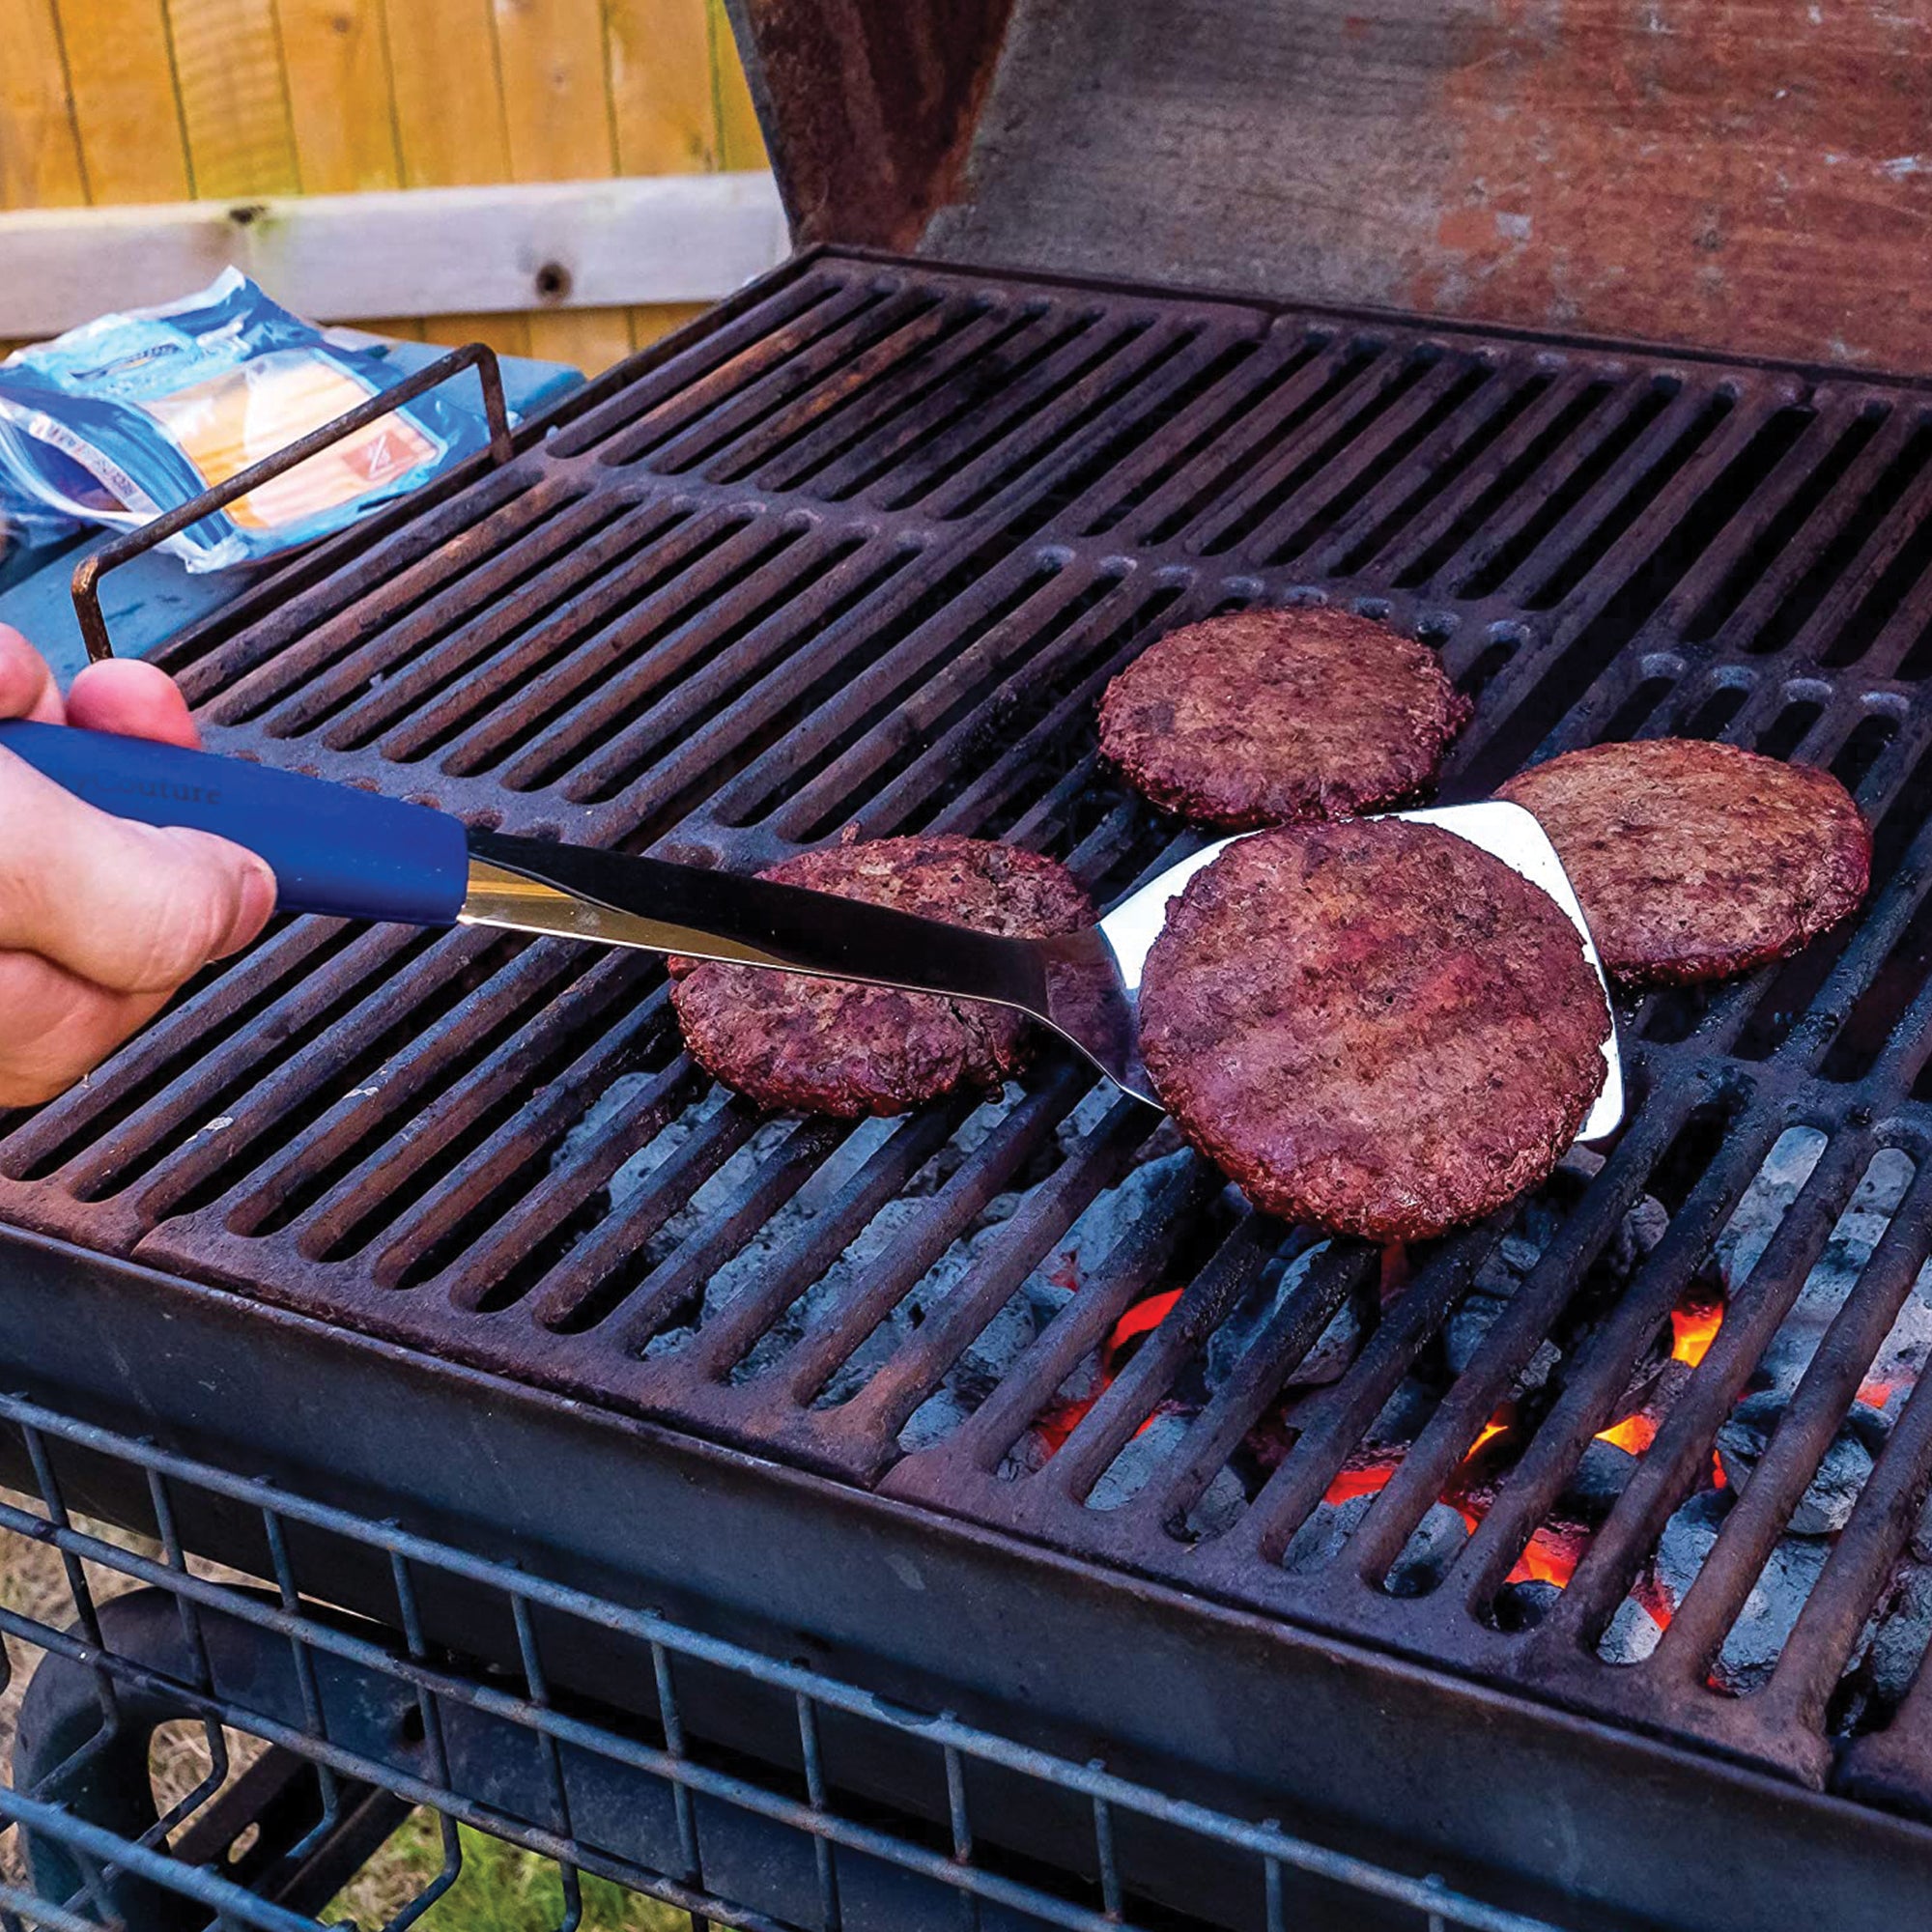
[[864, 551]]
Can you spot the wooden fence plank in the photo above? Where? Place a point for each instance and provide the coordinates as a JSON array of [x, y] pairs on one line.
[[662, 105], [343, 114], [740, 143], [557, 118], [234, 99], [449, 121], [40, 150], [427, 251], [651, 323], [121, 74]]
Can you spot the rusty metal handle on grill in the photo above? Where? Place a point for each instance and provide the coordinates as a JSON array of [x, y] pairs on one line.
[[92, 568]]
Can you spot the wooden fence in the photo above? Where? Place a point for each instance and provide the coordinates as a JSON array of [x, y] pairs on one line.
[[110, 102]]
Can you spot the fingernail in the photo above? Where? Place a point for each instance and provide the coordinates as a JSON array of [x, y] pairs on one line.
[[255, 902]]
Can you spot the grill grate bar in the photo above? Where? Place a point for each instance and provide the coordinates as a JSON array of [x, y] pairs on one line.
[[1856, 1573], [1573, 549], [744, 390], [451, 677], [1091, 427], [1294, 524], [651, 1304], [225, 648], [1825, 632], [1444, 547], [955, 472], [405, 1088], [1121, 1279], [693, 366], [1016, 1140], [861, 551], [866, 381], [1225, 1422], [590, 1281], [1683, 1444], [335, 652], [1804, 1431], [877, 427], [1286, 387], [1358, 407], [527, 1212], [1367, 539], [1605, 1371], [1128, 1400], [1506, 1350], [1051, 1208], [730, 1335], [1779, 514]]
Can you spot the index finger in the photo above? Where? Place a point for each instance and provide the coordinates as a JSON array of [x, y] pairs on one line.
[[27, 687]]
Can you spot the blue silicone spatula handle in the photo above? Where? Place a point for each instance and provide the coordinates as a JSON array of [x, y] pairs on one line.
[[334, 849]]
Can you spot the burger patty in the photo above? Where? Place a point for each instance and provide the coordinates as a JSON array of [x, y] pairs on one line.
[[1280, 717], [789, 1040], [1694, 861], [1374, 1027]]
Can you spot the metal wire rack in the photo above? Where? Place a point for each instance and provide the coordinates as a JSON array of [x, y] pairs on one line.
[[322, 1732]]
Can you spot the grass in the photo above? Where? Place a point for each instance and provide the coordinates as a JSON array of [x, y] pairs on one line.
[[500, 1889]]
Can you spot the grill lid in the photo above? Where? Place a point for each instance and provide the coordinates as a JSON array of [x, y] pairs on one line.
[[1757, 180]]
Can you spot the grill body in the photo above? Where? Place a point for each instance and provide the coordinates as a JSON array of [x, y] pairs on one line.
[[861, 549]]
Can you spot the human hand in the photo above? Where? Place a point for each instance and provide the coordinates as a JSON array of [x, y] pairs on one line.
[[100, 920]]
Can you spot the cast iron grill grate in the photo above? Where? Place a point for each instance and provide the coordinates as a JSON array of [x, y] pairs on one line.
[[862, 551]]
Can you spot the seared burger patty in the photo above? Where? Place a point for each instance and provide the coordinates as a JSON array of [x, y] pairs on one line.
[[792, 1041], [1280, 717], [1695, 861], [1374, 1027]]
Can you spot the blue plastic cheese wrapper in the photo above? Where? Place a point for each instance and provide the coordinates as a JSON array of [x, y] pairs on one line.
[[132, 415]]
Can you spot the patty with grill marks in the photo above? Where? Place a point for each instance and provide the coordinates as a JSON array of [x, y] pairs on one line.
[[1695, 861], [1280, 717], [795, 1042], [1373, 1026]]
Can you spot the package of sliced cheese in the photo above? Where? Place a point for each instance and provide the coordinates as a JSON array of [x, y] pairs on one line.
[[132, 414]]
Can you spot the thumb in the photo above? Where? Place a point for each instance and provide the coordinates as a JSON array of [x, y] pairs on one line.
[[129, 907]]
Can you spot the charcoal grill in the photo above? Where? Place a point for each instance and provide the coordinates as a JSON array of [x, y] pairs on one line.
[[448, 1228]]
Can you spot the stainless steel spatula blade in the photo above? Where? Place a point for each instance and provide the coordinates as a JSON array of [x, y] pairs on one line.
[[1507, 832]]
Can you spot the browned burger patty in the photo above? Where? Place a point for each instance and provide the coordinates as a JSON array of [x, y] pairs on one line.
[[1695, 861], [1279, 717], [828, 1046], [1374, 1027]]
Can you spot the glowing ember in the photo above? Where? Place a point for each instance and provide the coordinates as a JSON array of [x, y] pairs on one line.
[[1694, 1328], [1556, 1549], [1875, 1395], [1651, 1596], [1551, 1557], [1140, 1320], [1634, 1433], [1360, 1479]]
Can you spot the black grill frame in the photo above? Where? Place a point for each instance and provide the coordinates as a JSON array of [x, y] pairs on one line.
[[1624, 582]]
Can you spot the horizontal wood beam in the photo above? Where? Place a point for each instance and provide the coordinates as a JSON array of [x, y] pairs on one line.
[[405, 252]]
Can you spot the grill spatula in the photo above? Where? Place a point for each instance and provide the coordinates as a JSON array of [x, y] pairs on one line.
[[356, 854]]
